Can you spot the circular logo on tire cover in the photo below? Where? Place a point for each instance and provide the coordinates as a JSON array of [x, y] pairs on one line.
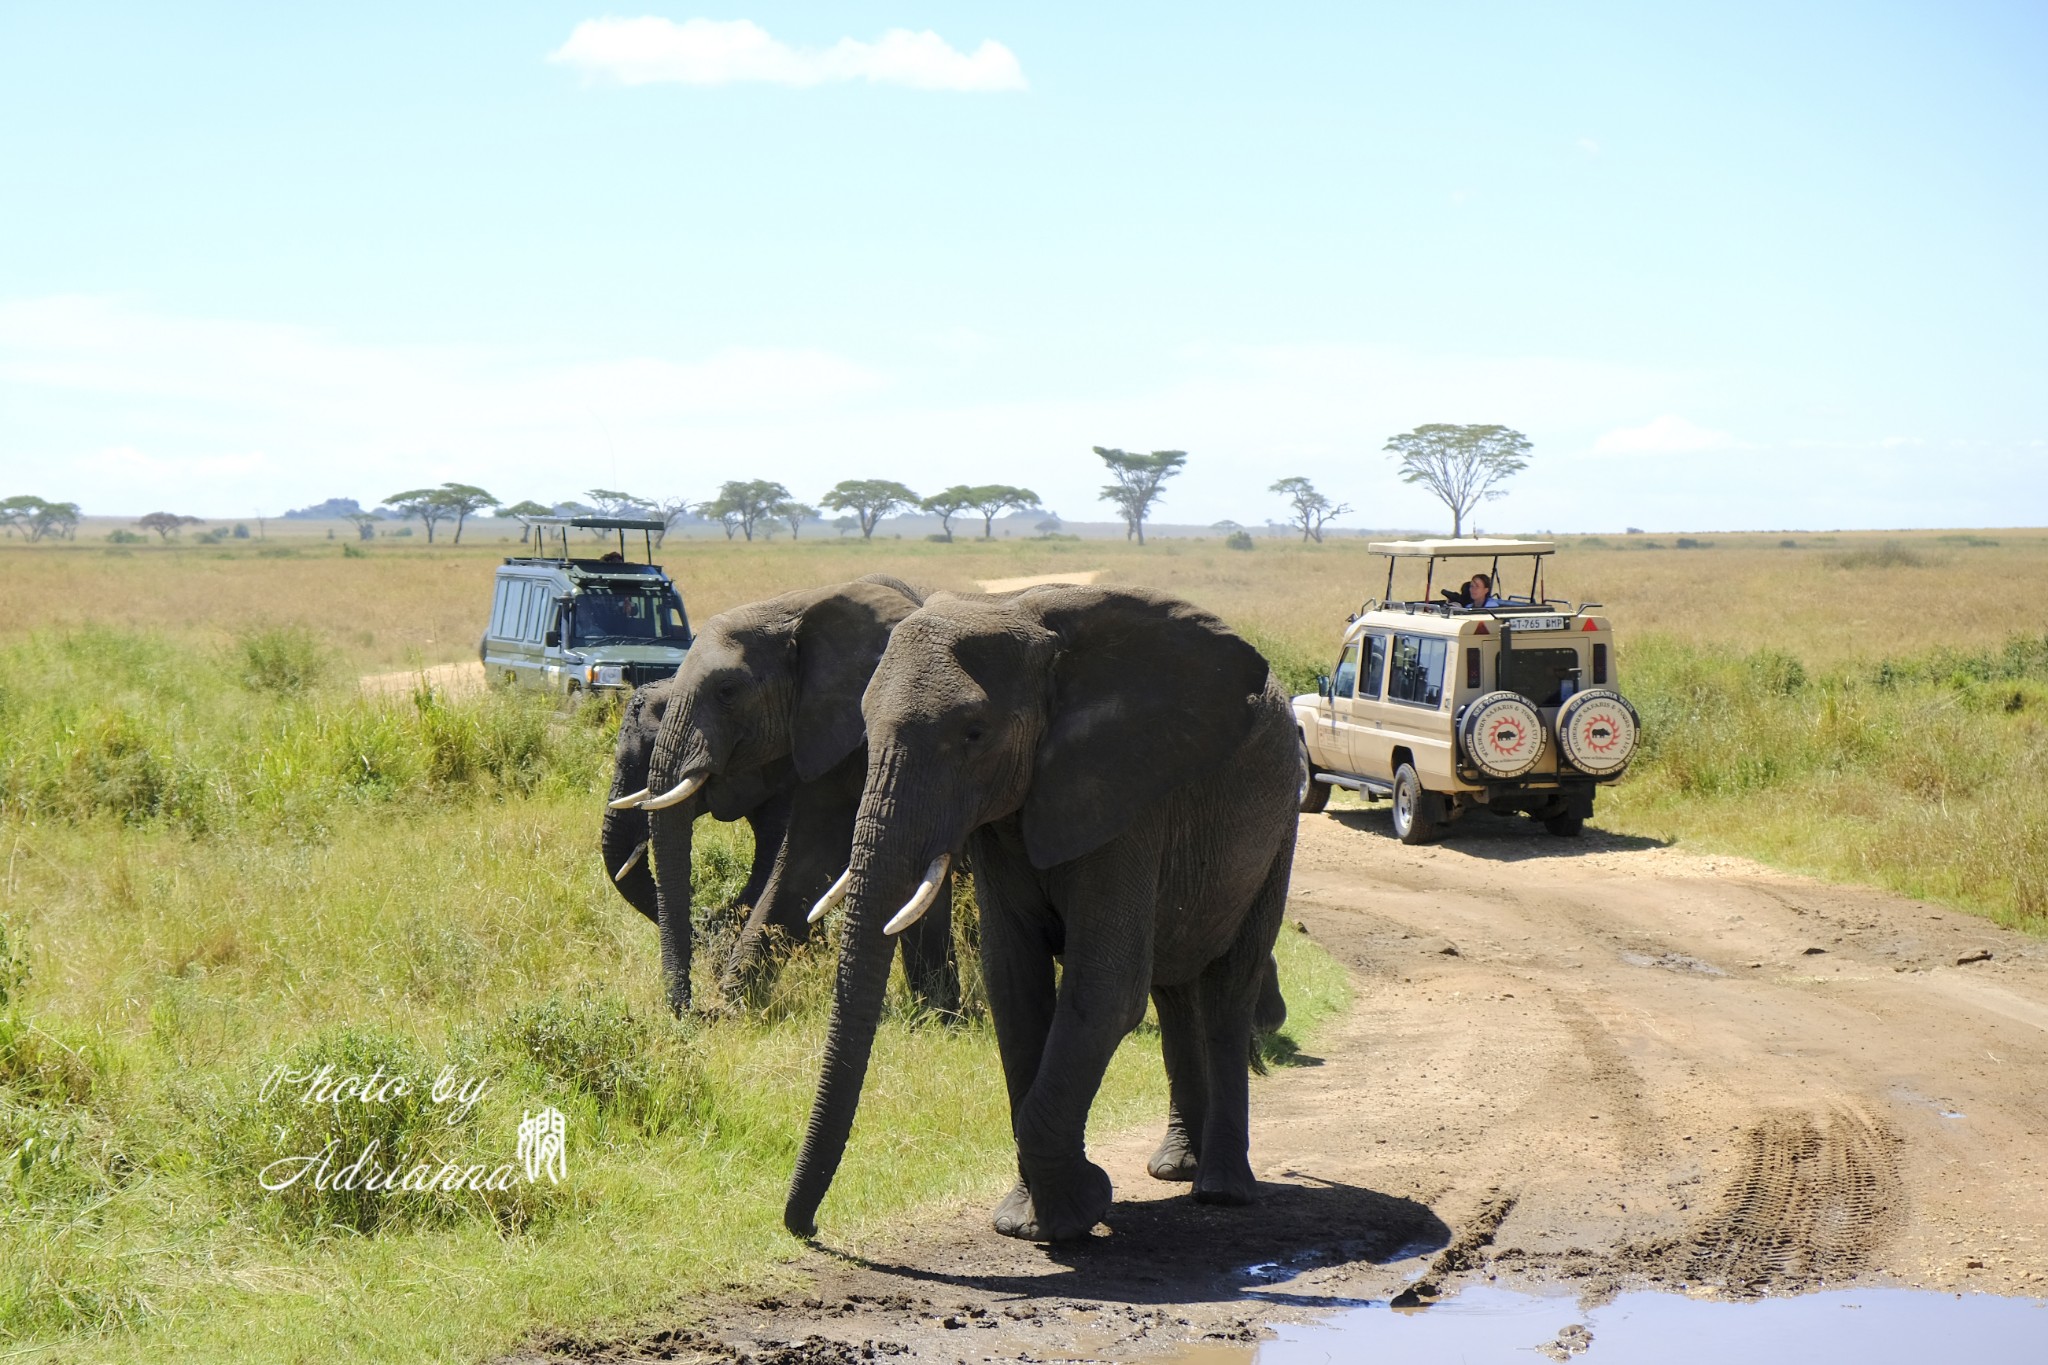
[[1503, 735], [1598, 733]]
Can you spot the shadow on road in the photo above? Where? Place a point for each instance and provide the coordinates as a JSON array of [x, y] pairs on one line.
[[1178, 1251], [1502, 838]]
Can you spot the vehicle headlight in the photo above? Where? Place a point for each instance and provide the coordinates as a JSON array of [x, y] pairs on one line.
[[605, 675]]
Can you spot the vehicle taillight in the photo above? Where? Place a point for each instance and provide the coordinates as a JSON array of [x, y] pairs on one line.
[[1472, 666], [1599, 665]]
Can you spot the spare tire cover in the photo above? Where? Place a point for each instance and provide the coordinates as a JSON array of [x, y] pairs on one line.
[[1597, 731], [1503, 734]]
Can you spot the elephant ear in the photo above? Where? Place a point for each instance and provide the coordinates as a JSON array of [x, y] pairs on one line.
[[1147, 693], [839, 638]]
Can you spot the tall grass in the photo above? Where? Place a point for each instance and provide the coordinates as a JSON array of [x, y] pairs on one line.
[[1922, 773], [255, 878]]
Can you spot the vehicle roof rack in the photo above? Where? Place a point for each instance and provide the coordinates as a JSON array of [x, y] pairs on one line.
[[600, 523], [1464, 547]]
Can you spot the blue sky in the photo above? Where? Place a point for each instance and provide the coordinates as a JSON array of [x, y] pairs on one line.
[[1728, 266]]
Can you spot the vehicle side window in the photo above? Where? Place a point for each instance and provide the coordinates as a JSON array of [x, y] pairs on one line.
[[1375, 667], [529, 623], [1346, 676], [1418, 670], [498, 603]]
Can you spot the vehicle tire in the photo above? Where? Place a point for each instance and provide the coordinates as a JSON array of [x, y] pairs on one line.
[[1566, 826], [1502, 735], [1313, 795], [1415, 810], [1597, 732]]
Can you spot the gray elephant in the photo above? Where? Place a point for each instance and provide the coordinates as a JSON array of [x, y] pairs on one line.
[[1121, 768], [763, 722]]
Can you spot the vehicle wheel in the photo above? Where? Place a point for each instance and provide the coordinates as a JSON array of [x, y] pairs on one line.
[[1566, 826], [1415, 810], [1313, 795]]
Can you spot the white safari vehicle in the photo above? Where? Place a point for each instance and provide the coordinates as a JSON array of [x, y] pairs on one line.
[[1442, 704]]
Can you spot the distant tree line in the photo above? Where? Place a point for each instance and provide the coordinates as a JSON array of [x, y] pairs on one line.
[[1461, 466]]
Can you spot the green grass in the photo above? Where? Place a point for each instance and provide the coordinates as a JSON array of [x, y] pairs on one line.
[[215, 863], [1921, 773]]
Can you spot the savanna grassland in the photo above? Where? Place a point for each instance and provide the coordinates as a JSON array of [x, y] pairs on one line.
[[217, 856]]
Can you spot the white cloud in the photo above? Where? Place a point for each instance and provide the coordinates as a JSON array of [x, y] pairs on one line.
[[1588, 147], [1666, 435], [726, 52]]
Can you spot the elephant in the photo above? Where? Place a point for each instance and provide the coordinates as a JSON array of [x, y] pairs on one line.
[[763, 722], [1121, 768]]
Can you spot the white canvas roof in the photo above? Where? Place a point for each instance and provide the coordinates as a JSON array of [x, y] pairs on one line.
[[1466, 548]]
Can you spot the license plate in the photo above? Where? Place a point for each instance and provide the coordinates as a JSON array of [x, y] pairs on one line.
[[1535, 623]]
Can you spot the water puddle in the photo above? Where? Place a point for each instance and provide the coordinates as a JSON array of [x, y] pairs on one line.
[[1486, 1324]]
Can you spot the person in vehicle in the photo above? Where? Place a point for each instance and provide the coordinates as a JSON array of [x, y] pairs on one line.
[[1476, 593]]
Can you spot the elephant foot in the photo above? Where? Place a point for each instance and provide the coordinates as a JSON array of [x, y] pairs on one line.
[[1064, 1211], [1227, 1183], [1175, 1160]]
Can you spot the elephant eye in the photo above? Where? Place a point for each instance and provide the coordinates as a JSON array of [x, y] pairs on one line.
[[975, 734]]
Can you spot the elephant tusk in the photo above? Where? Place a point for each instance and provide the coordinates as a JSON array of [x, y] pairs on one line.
[[834, 894], [627, 866], [922, 898], [628, 802], [676, 795]]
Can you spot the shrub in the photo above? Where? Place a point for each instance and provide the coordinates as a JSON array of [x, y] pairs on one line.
[[285, 659], [601, 1051], [1788, 544], [1689, 543], [120, 537], [241, 531], [1886, 555], [1238, 540]]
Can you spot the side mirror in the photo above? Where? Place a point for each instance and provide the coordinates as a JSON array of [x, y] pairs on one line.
[[552, 639], [1322, 684]]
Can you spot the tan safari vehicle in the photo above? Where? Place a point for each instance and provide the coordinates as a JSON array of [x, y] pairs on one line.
[[1442, 705]]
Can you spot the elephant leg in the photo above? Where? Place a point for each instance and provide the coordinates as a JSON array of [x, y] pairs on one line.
[[928, 962], [1184, 1042], [814, 829], [1107, 913], [1230, 993], [770, 823], [1017, 953]]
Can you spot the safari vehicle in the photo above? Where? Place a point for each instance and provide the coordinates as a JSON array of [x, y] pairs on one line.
[[580, 626], [1443, 707]]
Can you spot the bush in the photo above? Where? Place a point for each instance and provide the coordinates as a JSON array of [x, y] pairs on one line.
[[599, 1050], [285, 660], [120, 537], [1238, 540], [241, 531], [1887, 555], [1689, 543]]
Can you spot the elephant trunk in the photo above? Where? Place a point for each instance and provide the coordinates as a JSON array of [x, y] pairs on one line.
[[623, 844], [669, 840], [884, 874]]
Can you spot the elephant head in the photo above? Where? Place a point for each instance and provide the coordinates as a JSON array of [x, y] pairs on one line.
[[1072, 712], [768, 697]]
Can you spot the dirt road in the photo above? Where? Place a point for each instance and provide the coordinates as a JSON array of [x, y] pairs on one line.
[[1597, 1062], [450, 680]]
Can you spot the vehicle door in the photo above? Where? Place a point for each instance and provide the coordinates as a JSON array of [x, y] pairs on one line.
[[536, 618], [504, 647], [1329, 743], [1413, 715], [1367, 736]]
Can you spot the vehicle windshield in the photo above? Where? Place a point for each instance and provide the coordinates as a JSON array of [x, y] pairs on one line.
[[607, 615]]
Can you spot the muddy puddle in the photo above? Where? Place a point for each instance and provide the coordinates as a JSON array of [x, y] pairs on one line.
[[1487, 1324]]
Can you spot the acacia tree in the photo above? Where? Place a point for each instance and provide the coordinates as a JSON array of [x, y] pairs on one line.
[[366, 524], [742, 504], [1138, 478], [993, 499], [1460, 465], [796, 514], [869, 500], [1311, 509], [428, 504], [37, 518], [165, 524], [522, 512], [669, 511], [947, 504], [611, 502], [464, 500]]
